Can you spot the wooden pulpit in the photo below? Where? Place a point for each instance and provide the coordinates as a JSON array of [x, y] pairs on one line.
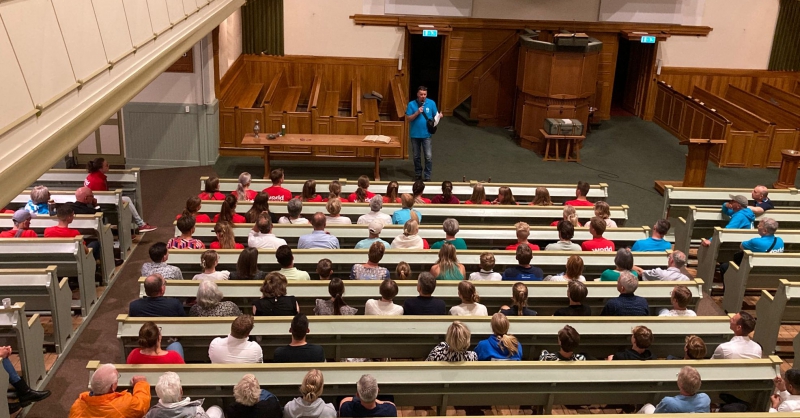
[[789, 161], [696, 164]]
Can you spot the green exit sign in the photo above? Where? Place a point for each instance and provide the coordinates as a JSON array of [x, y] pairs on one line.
[[648, 39], [432, 33]]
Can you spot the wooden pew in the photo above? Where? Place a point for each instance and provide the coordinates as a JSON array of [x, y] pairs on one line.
[[26, 336], [544, 297], [787, 124], [677, 200], [757, 271], [129, 180], [772, 311], [784, 99], [479, 383], [750, 136], [284, 105], [114, 210], [40, 290], [476, 236], [67, 254], [726, 242], [435, 214], [324, 107], [523, 192], [413, 337], [91, 226]]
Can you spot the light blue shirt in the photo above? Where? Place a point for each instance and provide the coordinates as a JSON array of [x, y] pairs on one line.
[[400, 217], [762, 244], [418, 128], [651, 244], [318, 239], [364, 244], [698, 403], [37, 209]]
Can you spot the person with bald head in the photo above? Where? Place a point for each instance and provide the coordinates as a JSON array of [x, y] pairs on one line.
[[155, 304], [103, 401], [761, 201], [85, 203], [318, 238]]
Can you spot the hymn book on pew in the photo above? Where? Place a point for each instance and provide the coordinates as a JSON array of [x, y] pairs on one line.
[[377, 138]]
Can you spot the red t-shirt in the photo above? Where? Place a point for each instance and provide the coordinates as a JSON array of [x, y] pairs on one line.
[[237, 219], [485, 202], [211, 196], [513, 247], [28, 233], [172, 357], [424, 200], [248, 194], [60, 232], [316, 198], [386, 200], [425, 245], [96, 181], [201, 218], [341, 199], [215, 246], [577, 202], [354, 198], [278, 194], [598, 244]]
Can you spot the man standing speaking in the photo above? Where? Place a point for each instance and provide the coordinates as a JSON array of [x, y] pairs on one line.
[[419, 112]]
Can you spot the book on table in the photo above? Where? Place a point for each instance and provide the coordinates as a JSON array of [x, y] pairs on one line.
[[377, 138]]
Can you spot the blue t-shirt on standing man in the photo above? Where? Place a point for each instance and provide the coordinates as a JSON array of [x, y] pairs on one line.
[[418, 128]]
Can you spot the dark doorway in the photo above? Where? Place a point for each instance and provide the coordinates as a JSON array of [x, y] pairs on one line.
[[635, 62], [425, 65], [621, 76]]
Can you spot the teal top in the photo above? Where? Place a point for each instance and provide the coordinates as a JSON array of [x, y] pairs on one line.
[[613, 275], [452, 274], [459, 243]]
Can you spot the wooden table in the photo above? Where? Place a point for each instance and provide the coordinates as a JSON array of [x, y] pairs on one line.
[[315, 140], [572, 142]]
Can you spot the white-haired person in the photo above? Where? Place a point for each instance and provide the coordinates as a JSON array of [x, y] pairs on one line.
[[102, 399], [310, 402], [252, 401], [450, 227], [37, 205], [410, 238], [172, 404], [455, 346], [689, 401], [210, 303], [375, 214], [243, 191], [366, 403]]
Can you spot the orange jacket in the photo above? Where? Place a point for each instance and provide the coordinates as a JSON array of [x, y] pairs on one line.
[[113, 405]]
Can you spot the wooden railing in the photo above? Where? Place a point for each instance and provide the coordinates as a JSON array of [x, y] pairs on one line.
[[686, 118]]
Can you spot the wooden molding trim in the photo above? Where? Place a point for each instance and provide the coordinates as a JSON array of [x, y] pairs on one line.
[[727, 71], [231, 75], [312, 59], [475, 23]]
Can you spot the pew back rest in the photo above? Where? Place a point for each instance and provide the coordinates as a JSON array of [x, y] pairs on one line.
[[28, 336], [741, 118], [782, 118], [680, 198], [773, 311]]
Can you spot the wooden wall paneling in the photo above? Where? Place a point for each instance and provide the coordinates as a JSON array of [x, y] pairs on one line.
[[606, 69], [393, 128], [298, 122], [493, 93], [247, 119], [227, 128], [781, 98], [796, 89], [716, 80], [782, 139]]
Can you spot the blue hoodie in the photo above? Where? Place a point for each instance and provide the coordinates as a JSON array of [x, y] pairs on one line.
[[742, 219], [490, 349]]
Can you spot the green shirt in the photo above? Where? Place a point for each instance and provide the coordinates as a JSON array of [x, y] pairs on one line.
[[459, 243], [613, 275], [294, 274]]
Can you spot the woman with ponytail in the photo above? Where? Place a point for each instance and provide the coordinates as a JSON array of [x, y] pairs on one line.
[[211, 190], [469, 301], [519, 299], [225, 238], [227, 211], [501, 345], [243, 191], [97, 181], [335, 305], [569, 215], [150, 352], [191, 210], [447, 195], [208, 261], [335, 192], [310, 404], [363, 185]]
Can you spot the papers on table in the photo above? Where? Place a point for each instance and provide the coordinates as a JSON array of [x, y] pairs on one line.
[[377, 138]]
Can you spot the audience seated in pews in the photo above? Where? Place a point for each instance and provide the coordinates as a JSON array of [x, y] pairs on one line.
[[455, 346], [680, 297], [25, 395], [172, 404], [761, 202], [447, 195], [336, 304], [519, 302], [253, 402], [366, 403], [210, 303], [487, 272], [299, 351], [504, 197], [247, 266], [566, 230], [103, 401], [274, 301], [371, 270], [501, 345], [409, 239], [22, 226], [641, 340], [185, 241], [478, 196], [788, 397], [158, 263], [676, 267], [568, 341], [523, 232], [392, 193], [741, 216], [627, 303], [425, 303], [384, 306], [417, 189], [97, 181], [581, 191], [524, 271], [276, 192], [740, 346], [334, 208], [469, 301], [286, 260], [375, 214], [623, 262], [243, 191], [766, 242], [155, 304], [403, 271], [318, 238], [400, 217], [225, 237], [261, 235], [656, 242], [309, 192], [576, 293], [310, 402], [149, 350], [597, 227], [335, 192], [603, 211], [568, 214], [694, 349], [208, 261], [236, 347], [689, 401], [541, 197], [38, 203], [85, 203], [211, 190], [574, 271], [375, 227], [447, 266], [227, 211], [363, 184], [192, 209], [450, 227]]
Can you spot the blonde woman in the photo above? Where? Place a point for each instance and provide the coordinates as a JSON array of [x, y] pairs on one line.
[[334, 207], [400, 217], [310, 402], [252, 401], [519, 302], [209, 260], [501, 345], [469, 301], [403, 271], [448, 267], [225, 238], [455, 345], [569, 215], [409, 238], [541, 197], [243, 191], [603, 211], [478, 196]]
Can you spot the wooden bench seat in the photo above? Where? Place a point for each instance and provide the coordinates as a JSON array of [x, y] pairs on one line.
[[677, 200], [757, 271], [128, 180], [330, 104], [784, 99], [285, 99], [772, 311], [370, 109], [26, 336], [250, 96]]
